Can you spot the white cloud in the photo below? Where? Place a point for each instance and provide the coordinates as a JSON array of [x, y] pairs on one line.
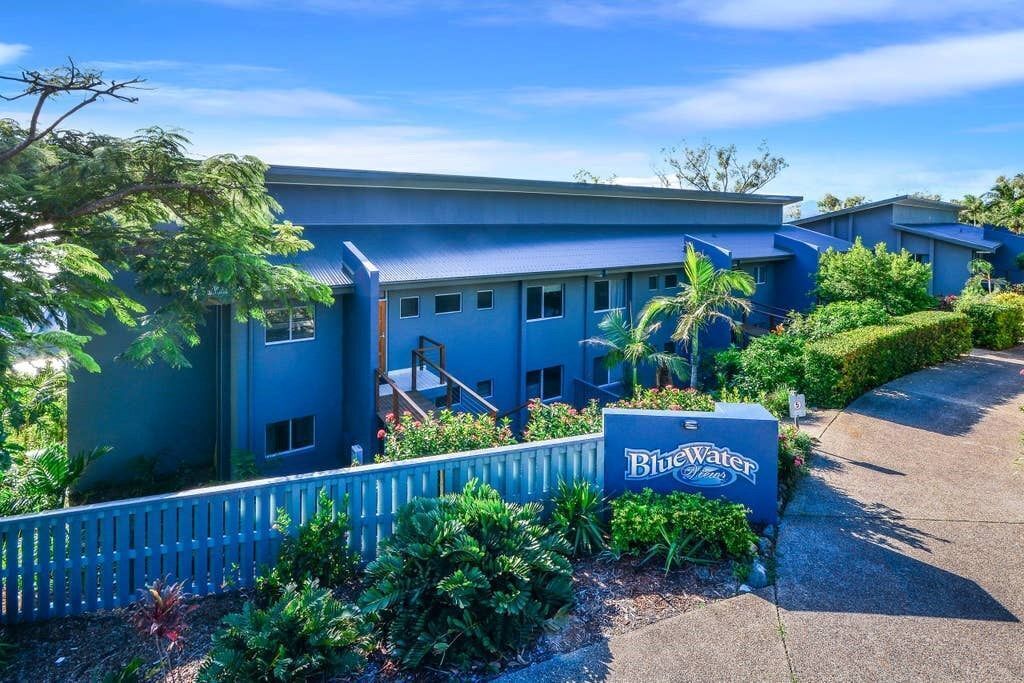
[[142, 66], [996, 128], [797, 14], [883, 76], [242, 103], [11, 51]]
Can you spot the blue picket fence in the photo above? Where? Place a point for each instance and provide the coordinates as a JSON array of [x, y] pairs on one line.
[[98, 556]]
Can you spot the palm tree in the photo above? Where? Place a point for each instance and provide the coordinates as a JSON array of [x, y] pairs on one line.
[[626, 342], [706, 295]]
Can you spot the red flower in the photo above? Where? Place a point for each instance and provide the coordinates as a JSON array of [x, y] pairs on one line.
[[381, 433], [390, 417]]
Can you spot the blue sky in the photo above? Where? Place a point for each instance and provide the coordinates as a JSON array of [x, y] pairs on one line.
[[877, 97]]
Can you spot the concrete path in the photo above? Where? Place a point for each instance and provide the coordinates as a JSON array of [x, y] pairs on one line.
[[901, 558]]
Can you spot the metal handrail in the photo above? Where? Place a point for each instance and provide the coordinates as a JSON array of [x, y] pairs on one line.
[[398, 397], [449, 381]]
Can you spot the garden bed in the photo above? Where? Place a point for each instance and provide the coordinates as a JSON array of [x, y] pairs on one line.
[[613, 596]]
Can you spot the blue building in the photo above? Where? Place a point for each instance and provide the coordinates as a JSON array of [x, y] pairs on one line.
[[929, 230], [449, 290]]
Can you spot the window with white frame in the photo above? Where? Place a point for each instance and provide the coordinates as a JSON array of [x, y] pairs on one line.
[[289, 323], [289, 436], [544, 302], [485, 299], [760, 275], [652, 283], [448, 303], [609, 295], [671, 281], [409, 307], [545, 384], [920, 258]]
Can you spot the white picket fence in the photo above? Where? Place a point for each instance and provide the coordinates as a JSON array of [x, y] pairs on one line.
[[96, 557]]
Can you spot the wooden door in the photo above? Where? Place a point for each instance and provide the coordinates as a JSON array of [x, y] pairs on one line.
[[382, 335]]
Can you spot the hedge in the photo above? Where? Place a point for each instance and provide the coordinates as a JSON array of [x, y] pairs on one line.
[[994, 325], [841, 368]]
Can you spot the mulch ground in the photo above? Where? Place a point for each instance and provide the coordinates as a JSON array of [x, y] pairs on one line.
[[612, 596]]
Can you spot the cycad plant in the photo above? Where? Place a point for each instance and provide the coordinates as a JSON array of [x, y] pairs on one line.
[[578, 514], [627, 342], [706, 295]]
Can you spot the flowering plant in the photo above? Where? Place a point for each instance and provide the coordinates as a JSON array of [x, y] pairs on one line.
[[558, 420], [668, 398], [442, 432], [794, 451]]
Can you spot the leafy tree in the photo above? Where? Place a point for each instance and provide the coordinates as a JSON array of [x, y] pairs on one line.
[[706, 295], [980, 281], [830, 202], [586, 177], [44, 479], [77, 208], [793, 212], [1002, 205], [717, 169], [972, 210], [896, 280], [626, 342]]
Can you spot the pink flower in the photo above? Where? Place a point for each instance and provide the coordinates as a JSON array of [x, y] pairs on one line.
[[381, 433], [798, 461], [390, 417]]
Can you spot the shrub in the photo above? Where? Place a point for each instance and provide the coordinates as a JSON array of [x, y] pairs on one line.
[[308, 634], [775, 402], [1019, 259], [773, 361], [318, 553], [839, 316], [442, 432], [841, 368], [895, 280], [557, 420], [578, 515], [994, 325], [668, 398], [466, 578], [794, 452], [642, 520], [162, 615], [727, 366]]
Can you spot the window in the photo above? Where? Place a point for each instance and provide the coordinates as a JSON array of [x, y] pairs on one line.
[[609, 295], [448, 303], [485, 388], [289, 323], [652, 283], [485, 300], [671, 281], [409, 307], [288, 436], [544, 384], [920, 258], [760, 275], [601, 370], [543, 302]]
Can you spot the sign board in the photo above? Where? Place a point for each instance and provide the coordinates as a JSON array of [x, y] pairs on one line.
[[797, 405], [730, 453]]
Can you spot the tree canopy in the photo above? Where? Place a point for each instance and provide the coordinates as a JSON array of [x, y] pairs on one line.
[[829, 202], [894, 279], [718, 169], [1002, 205], [79, 208]]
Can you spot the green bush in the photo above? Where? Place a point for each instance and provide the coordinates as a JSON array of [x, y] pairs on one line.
[[668, 398], [466, 578], [794, 452], [841, 368], [578, 515], [894, 279], [726, 366], [442, 432], [319, 552], [642, 520], [773, 361], [306, 635], [775, 402], [994, 324], [838, 316], [558, 420]]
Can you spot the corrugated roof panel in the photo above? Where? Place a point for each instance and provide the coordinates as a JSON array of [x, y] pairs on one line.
[[954, 233], [814, 238], [424, 253]]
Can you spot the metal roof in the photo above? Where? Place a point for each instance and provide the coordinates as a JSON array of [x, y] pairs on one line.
[[904, 199], [343, 177], [415, 253], [955, 233], [815, 239]]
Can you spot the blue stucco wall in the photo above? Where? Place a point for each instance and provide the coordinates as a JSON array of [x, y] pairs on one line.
[[902, 213], [871, 225], [157, 412], [949, 270], [359, 364], [795, 276], [1004, 260], [311, 205], [292, 380]]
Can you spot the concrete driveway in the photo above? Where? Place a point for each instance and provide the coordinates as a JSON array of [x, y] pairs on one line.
[[900, 558]]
